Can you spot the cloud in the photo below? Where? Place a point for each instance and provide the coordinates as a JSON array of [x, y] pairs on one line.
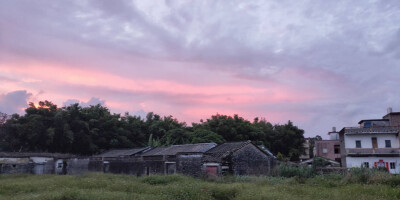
[[91, 102], [320, 63], [14, 102]]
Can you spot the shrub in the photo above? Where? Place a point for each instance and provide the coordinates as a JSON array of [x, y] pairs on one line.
[[292, 171], [367, 175], [161, 180], [221, 193]]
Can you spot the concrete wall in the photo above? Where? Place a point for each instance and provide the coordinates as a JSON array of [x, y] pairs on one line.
[[366, 140], [358, 162], [250, 161]]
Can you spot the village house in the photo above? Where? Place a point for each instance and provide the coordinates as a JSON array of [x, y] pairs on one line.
[[238, 158], [41, 163], [374, 143], [329, 149], [183, 159], [119, 161]]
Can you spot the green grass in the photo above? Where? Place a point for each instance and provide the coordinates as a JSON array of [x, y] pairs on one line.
[[108, 186]]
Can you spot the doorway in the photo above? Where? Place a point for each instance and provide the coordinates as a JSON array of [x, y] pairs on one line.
[[374, 143]]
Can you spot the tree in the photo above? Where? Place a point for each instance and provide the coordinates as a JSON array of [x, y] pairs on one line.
[[206, 136]]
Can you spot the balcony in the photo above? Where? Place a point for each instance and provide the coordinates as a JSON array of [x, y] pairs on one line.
[[372, 130], [373, 152]]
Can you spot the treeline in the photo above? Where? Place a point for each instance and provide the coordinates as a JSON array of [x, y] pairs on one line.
[[90, 130]]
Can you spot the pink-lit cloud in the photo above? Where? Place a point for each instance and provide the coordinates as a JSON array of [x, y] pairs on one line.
[[319, 64]]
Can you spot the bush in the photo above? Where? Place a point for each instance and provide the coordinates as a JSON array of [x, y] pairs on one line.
[[161, 179], [221, 193], [367, 176], [292, 171]]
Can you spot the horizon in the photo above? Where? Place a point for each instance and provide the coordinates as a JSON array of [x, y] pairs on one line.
[[318, 64]]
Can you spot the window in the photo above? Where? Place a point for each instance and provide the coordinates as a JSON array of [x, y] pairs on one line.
[[367, 124], [337, 149], [365, 164], [358, 143], [324, 150], [392, 165], [388, 144]]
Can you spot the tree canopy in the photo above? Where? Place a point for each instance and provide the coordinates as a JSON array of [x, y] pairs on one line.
[[94, 129]]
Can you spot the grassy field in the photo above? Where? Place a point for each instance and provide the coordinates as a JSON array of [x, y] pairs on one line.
[[108, 186]]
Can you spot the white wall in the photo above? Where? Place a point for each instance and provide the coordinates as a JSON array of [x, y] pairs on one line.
[[358, 161], [366, 141], [40, 159]]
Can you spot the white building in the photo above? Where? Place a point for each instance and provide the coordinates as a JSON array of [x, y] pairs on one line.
[[375, 143]]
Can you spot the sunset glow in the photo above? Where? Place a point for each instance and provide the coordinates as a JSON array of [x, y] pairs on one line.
[[311, 65]]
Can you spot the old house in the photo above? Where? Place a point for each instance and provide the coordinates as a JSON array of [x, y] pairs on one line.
[[119, 161], [184, 159], [36, 163], [329, 149], [373, 144], [238, 158]]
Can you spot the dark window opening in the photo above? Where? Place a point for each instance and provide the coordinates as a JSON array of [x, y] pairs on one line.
[[337, 149], [367, 124], [366, 164], [388, 144], [392, 165], [14, 166], [358, 143]]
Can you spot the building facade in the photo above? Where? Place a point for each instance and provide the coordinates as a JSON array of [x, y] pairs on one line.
[[238, 158], [329, 149], [373, 144]]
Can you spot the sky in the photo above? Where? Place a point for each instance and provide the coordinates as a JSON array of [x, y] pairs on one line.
[[317, 63]]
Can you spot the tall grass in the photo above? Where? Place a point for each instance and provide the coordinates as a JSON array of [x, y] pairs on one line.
[[109, 186]]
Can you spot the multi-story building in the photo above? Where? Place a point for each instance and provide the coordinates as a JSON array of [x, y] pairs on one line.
[[374, 143], [329, 149]]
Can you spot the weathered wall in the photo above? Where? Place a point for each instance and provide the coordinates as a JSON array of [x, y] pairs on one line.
[[329, 145], [127, 167], [189, 164], [77, 166], [250, 161], [95, 166], [16, 168], [43, 168]]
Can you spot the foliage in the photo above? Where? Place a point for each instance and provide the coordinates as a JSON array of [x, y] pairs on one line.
[[204, 136], [94, 129], [295, 171], [369, 175]]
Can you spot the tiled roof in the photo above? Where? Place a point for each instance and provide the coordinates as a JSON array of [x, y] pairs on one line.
[[122, 152], [175, 149], [34, 154], [372, 130], [218, 153]]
